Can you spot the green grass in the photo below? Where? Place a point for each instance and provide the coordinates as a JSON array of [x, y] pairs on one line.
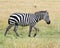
[[46, 38], [41, 41]]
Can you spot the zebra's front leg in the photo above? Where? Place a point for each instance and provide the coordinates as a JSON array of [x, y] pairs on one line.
[[30, 29], [36, 31], [8, 29], [15, 30]]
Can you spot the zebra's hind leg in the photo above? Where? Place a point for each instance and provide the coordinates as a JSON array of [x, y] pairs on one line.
[[15, 30], [7, 29], [30, 29], [36, 31]]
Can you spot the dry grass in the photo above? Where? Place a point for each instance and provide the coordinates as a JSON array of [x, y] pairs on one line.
[[48, 36]]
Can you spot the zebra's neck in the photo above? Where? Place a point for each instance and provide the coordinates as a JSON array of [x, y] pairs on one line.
[[38, 19]]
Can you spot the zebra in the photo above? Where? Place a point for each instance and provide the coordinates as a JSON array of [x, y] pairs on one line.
[[27, 19]]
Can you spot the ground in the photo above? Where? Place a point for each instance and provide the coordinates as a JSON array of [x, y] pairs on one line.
[[48, 35]]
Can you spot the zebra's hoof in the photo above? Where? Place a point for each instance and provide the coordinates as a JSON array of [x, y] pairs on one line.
[[34, 35], [28, 35]]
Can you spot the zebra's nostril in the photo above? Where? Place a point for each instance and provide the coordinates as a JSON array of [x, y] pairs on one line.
[[48, 22]]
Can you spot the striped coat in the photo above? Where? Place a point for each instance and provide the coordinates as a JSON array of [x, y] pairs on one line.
[[23, 19], [26, 19]]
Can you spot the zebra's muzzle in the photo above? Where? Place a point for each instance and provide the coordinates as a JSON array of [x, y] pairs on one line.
[[49, 22]]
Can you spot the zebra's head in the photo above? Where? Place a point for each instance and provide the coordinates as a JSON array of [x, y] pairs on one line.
[[43, 15]]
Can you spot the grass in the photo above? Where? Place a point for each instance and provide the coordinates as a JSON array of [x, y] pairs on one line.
[[48, 35], [11, 41]]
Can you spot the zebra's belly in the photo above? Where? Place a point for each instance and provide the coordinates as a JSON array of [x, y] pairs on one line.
[[24, 24]]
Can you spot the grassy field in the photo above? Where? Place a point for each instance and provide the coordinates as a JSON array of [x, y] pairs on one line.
[[48, 35]]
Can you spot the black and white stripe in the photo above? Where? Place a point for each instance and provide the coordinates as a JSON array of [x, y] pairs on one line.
[[17, 18], [25, 19]]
